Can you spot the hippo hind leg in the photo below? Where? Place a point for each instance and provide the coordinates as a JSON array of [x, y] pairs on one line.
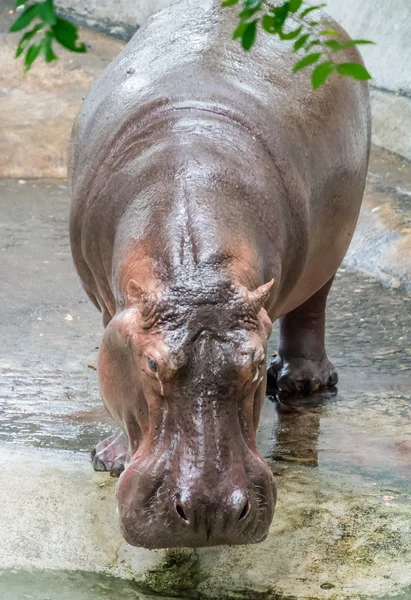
[[302, 364], [111, 454]]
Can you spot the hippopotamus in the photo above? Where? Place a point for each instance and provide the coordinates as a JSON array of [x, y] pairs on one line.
[[213, 193]]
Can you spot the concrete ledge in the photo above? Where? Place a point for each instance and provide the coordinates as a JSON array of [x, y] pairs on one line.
[[61, 515], [391, 114]]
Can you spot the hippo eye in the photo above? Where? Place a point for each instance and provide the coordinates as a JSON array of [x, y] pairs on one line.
[[152, 365]]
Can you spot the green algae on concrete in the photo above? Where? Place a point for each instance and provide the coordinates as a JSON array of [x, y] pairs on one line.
[[176, 575], [328, 531]]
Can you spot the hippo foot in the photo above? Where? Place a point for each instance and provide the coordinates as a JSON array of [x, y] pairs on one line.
[[295, 374], [111, 454]]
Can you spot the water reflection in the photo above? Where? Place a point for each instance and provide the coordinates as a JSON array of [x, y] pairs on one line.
[[363, 434], [297, 424]]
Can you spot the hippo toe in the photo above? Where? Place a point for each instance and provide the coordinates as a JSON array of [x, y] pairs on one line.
[[110, 455]]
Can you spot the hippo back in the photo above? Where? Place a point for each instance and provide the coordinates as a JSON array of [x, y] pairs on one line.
[[185, 57]]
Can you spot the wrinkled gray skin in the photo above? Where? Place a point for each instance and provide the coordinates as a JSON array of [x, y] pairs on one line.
[[213, 193]]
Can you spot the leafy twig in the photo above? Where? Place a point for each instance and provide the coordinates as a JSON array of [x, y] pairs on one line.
[[53, 28], [273, 20], [306, 37]]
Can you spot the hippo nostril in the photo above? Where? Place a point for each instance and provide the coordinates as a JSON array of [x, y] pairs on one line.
[[181, 512], [245, 511]]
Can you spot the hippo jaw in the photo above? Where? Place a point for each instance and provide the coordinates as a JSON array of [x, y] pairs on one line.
[[188, 394]]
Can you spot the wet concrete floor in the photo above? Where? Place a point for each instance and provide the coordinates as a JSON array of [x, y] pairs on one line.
[[357, 439]]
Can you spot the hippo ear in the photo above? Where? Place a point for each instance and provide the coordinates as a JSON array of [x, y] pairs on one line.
[[144, 300], [135, 294], [258, 297]]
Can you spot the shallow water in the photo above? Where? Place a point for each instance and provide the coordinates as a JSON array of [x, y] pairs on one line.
[[60, 585]]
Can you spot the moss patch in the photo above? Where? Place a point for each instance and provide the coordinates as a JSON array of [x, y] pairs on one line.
[[177, 575]]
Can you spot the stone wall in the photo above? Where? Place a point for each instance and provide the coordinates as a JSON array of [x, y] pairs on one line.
[[387, 22]]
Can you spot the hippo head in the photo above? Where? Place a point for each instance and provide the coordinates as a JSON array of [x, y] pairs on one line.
[[183, 371]]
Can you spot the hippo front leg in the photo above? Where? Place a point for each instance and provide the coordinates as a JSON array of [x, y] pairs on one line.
[[111, 454], [302, 364]]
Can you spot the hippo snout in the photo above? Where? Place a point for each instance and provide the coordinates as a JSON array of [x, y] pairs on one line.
[[202, 511], [200, 518]]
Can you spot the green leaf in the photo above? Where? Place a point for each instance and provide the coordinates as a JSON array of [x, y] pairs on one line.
[[336, 46], [66, 34], [333, 44], [301, 41], [308, 60], [329, 32], [20, 3], [25, 18], [321, 72], [280, 13], [358, 42], [239, 30], [19, 51], [311, 44], [352, 69], [251, 4], [250, 8], [351, 43], [246, 13], [291, 35], [26, 38], [308, 10], [228, 3], [295, 5], [32, 54], [268, 24], [47, 12], [249, 35], [47, 47]]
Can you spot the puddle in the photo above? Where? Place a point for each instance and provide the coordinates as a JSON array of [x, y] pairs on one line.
[[366, 436], [60, 585]]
